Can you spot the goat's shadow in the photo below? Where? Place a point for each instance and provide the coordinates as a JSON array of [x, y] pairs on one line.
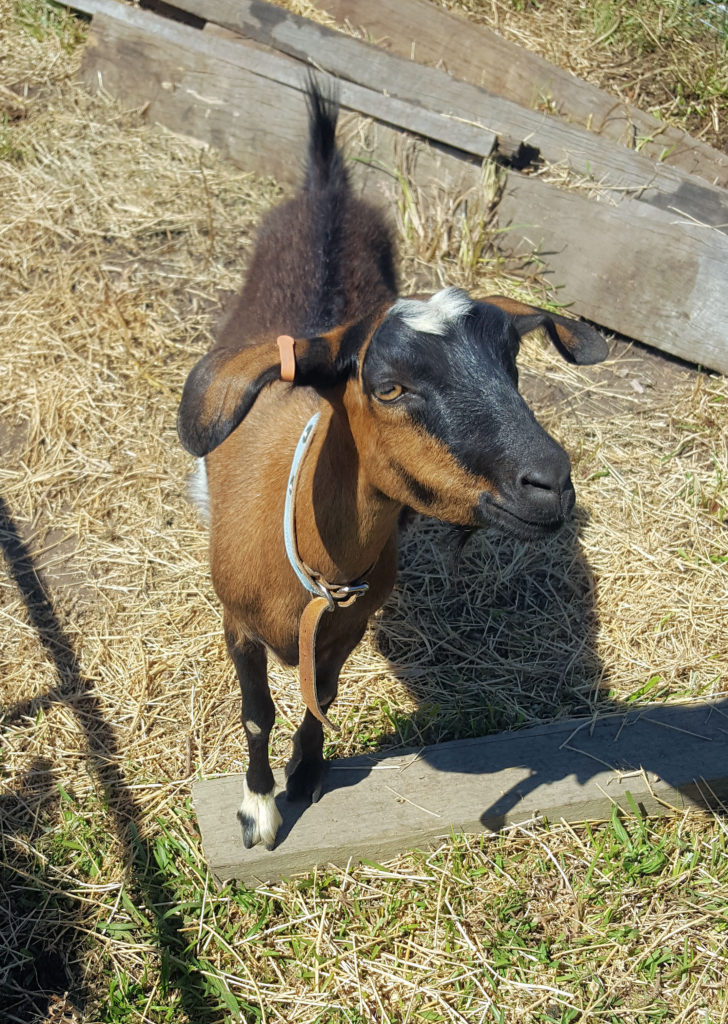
[[501, 638], [488, 633]]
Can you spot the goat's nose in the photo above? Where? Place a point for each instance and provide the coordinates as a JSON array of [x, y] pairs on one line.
[[546, 485]]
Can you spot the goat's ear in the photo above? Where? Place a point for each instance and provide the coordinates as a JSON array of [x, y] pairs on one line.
[[574, 338], [224, 384], [219, 392]]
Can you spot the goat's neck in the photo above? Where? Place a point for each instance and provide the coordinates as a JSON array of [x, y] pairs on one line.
[[343, 522]]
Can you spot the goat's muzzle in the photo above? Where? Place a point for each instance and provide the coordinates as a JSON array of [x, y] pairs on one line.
[[535, 499]]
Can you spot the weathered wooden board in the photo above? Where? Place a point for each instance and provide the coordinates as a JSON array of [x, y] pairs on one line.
[[606, 261], [518, 129], [375, 807], [636, 269], [258, 122], [421, 31], [468, 137]]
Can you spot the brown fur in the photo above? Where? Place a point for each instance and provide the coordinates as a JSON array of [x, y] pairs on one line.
[[344, 524]]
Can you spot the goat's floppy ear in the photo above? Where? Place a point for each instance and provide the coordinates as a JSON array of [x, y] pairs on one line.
[[582, 343], [219, 393], [224, 384]]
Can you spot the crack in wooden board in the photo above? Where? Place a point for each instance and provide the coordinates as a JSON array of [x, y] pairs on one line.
[[421, 31]]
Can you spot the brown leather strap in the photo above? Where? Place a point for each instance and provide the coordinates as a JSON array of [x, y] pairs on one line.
[[308, 628]]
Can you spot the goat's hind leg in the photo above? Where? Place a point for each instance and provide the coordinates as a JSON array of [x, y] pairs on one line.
[[258, 813]]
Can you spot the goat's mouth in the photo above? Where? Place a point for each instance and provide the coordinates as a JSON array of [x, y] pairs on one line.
[[492, 514]]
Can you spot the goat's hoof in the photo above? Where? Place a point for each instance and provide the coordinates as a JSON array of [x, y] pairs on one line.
[[259, 818], [305, 780]]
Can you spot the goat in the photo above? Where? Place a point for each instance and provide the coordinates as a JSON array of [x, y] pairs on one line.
[[418, 405]]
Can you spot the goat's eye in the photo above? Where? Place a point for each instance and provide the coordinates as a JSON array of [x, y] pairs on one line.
[[388, 392]]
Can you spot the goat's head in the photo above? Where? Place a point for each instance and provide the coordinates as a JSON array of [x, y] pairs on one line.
[[452, 436], [430, 389]]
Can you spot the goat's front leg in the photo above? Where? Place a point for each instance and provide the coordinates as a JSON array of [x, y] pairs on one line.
[[258, 813], [306, 768]]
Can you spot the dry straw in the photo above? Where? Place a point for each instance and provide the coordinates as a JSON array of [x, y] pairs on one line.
[[118, 242]]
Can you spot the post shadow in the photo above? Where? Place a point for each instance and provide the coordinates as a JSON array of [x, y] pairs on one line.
[[53, 968]]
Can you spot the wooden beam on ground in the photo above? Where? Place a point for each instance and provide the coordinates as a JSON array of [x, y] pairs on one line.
[[421, 31], [659, 759], [191, 82], [467, 137], [639, 270], [643, 272], [524, 135]]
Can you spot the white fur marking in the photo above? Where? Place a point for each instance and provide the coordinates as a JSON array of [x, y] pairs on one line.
[[197, 490], [434, 315], [261, 807]]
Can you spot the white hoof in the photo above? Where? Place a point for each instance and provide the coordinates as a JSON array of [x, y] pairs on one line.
[[259, 817]]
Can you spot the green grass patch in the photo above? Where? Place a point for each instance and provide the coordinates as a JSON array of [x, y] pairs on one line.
[[44, 20]]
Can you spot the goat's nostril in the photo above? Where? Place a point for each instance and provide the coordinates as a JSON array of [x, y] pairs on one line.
[[543, 478], [546, 488], [537, 481]]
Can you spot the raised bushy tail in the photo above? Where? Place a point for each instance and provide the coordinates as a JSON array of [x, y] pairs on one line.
[[323, 258], [326, 186], [325, 162]]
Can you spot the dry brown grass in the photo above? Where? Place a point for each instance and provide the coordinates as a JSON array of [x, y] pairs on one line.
[[117, 240], [660, 55]]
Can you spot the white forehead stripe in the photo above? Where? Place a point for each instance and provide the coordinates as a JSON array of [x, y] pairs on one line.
[[436, 314]]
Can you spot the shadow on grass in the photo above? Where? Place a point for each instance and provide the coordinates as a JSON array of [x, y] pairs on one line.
[[34, 969], [503, 639], [489, 633], [513, 634], [497, 646]]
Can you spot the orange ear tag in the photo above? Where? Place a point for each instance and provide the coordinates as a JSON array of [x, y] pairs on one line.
[[286, 347]]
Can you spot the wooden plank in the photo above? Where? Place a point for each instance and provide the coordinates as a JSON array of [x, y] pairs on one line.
[[520, 131], [178, 88], [376, 807], [469, 137], [607, 262], [257, 122], [633, 268], [419, 30]]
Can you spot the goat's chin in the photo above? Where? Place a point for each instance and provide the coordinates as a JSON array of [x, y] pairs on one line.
[[514, 524]]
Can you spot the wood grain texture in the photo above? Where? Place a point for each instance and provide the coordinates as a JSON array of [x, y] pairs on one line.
[[259, 123], [523, 134], [471, 138], [643, 272], [660, 759], [419, 30]]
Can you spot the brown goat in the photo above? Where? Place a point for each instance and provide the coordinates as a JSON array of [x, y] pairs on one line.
[[418, 406]]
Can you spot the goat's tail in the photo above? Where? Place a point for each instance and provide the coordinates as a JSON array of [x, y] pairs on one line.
[[325, 167], [326, 187]]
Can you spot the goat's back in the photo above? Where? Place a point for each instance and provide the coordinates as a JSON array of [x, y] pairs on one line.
[[321, 259]]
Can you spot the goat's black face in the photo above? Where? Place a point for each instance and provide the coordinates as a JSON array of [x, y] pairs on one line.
[[454, 437]]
